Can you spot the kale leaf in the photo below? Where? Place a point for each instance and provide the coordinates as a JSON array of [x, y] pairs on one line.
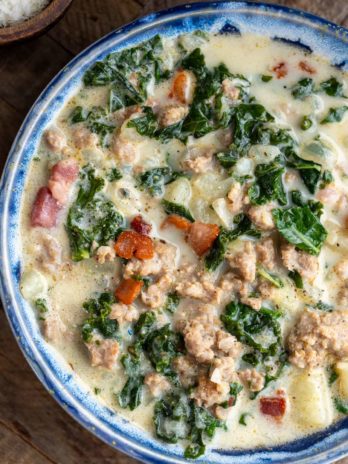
[[98, 321], [122, 93], [114, 174], [172, 302], [268, 185], [142, 63], [175, 208], [161, 347], [92, 217], [246, 324], [332, 87], [253, 328], [272, 278], [335, 115], [155, 179], [304, 88], [341, 406], [301, 227], [96, 121], [295, 276], [131, 394], [176, 418]]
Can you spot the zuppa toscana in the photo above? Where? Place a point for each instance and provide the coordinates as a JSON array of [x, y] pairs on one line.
[[184, 237]]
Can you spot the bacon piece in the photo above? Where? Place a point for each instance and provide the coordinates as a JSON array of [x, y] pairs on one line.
[[273, 406], [177, 221], [182, 87], [126, 244], [45, 209], [305, 66], [201, 236], [280, 69], [128, 290], [144, 247], [63, 174], [139, 225], [130, 243]]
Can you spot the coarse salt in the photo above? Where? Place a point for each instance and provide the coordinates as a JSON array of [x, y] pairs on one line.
[[13, 11]]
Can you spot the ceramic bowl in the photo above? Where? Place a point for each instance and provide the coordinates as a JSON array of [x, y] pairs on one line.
[[36, 25], [293, 26]]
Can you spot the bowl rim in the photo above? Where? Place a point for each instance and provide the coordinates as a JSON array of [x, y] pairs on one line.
[[127, 444], [35, 24]]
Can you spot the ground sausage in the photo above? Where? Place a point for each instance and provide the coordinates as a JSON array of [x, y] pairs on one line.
[[317, 337]]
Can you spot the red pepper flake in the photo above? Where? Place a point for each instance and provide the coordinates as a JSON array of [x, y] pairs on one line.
[[305, 66], [140, 225], [273, 406], [280, 69]]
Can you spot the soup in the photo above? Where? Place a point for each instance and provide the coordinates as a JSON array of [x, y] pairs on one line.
[[184, 237]]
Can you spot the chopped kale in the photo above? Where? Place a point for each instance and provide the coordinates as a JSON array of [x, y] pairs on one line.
[[96, 121], [304, 88], [301, 227], [146, 124], [246, 324], [78, 114], [242, 418], [243, 226], [333, 376], [177, 418], [161, 347], [114, 174], [268, 185], [253, 328], [295, 276], [341, 406], [41, 305], [326, 178], [266, 78], [122, 93], [131, 394], [172, 302], [171, 416], [98, 124], [246, 119], [92, 217], [235, 389], [310, 171], [324, 306], [272, 278], [142, 63], [155, 179], [335, 115], [180, 210], [98, 321], [332, 87]]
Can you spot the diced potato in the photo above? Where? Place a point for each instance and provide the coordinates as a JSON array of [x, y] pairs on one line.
[[342, 370], [33, 285], [179, 191], [211, 186], [311, 399], [224, 214]]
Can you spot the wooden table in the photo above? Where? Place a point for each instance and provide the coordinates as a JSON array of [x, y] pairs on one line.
[[33, 428]]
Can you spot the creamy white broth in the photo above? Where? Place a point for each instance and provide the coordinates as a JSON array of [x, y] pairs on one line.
[[73, 283]]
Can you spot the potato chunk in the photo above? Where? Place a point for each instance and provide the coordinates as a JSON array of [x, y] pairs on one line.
[[342, 370], [311, 400]]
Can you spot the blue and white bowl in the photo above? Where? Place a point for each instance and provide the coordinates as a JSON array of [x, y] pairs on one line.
[[292, 26]]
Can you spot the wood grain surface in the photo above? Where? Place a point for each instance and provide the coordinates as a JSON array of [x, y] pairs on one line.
[[33, 428]]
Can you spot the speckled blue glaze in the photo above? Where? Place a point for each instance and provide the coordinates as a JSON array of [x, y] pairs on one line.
[[293, 26]]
